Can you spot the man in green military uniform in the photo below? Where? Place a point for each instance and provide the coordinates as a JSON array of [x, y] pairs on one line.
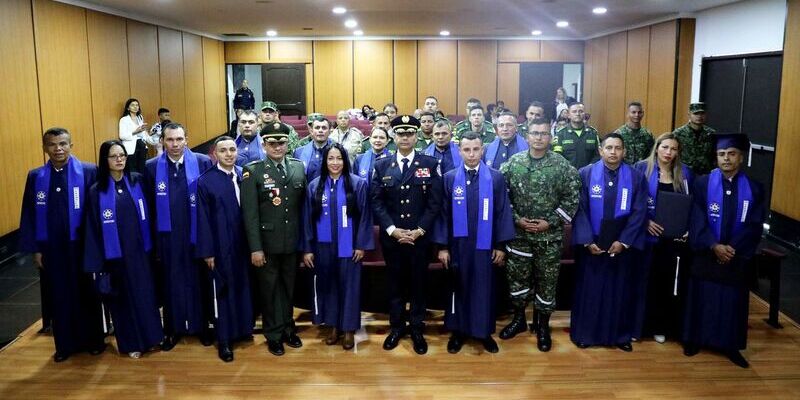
[[577, 142], [535, 110], [425, 132], [269, 115], [697, 141], [638, 139], [475, 122], [272, 198], [543, 188]]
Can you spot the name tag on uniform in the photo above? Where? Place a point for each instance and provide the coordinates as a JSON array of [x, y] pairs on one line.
[[590, 141], [386, 178], [422, 173], [568, 141]]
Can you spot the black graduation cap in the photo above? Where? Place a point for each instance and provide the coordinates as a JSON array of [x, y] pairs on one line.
[[736, 140]]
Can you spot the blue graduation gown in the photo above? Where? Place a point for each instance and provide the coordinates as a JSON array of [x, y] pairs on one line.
[[248, 151], [181, 285], [76, 313], [137, 322], [600, 311], [471, 310], [716, 313], [314, 165], [220, 235], [445, 158], [337, 280], [504, 152]]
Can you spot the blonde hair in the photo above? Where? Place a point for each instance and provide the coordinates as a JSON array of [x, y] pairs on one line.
[[677, 167]]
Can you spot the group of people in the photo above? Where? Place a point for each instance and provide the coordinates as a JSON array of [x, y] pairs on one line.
[[219, 242]]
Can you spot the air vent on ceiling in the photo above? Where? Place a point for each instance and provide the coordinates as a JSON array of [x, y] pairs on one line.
[[235, 34]]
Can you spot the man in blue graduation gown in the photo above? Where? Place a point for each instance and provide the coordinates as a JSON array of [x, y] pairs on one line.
[[172, 181], [222, 245], [311, 153], [51, 228], [608, 231], [477, 225], [725, 228], [506, 144], [443, 148], [406, 192], [248, 142]]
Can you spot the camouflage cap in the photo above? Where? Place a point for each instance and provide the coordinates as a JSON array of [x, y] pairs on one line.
[[269, 105], [314, 117], [697, 107], [405, 124], [275, 133]]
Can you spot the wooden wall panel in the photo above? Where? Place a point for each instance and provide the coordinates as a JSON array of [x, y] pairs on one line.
[[518, 51], [21, 127], [562, 50], [405, 76], [683, 84], [62, 63], [615, 90], [143, 65], [661, 78], [437, 69], [310, 88], [214, 86], [246, 52], [784, 181], [294, 51], [170, 55], [638, 64], [588, 71], [373, 69], [477, 71], [108, 67], [508, 86], [194, 88], [596, 104], [333, 76]]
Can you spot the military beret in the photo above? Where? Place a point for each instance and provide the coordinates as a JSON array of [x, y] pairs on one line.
[[270, 105], [405, 124], [736, 140], [275, 132], [697, 107]]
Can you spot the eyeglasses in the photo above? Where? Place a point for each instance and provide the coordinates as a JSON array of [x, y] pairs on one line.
[[117, 157]]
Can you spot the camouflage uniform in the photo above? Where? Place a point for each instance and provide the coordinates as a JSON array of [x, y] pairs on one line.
[[697, 148], [638, 143], [539, 189], [422, 143], [487, 132], [522, 128], [579, 150]]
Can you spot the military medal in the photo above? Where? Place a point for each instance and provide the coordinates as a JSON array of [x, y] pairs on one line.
[[276, 201]]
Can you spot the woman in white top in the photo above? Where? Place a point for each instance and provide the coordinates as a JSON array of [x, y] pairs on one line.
[[349, 136], [131, 129]]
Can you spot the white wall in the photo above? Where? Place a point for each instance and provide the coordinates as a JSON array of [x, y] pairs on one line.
[[750, 26], [572, 74]]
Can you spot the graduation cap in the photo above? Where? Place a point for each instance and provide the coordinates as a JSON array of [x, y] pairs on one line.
[[736, 140]]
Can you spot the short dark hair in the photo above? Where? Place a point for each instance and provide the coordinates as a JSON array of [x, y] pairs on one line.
[[249, 112], [539, 121], [469, 136], [172, 126], [432, 97], [538, 104], [381, 114], [55, 131], [443, 122], [473, 100], [318, 118], [635, 103], [424, 113], [379, 129], [162, 110], [392, 105], [476, 107], [575, 103], [612, 135], [222, 139]]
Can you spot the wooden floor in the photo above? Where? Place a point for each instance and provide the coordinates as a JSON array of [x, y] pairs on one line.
[[518, 371]]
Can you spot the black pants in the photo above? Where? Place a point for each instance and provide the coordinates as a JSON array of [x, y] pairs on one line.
[[408, 277], [664, 300]]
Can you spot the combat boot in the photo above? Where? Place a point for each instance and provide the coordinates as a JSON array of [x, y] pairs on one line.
[[516, 326]]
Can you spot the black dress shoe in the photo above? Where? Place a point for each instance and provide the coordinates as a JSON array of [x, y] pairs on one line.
[[582, 345], [225, 353], [455, 343], [58, 357], [206, 339], [737, 358], [420, 345], [515, 327], [393, 339], [626, 347], [690, 350], [169, 343], [490, 345], [45, 329], [275, 347], [98, 350], [292, 340]]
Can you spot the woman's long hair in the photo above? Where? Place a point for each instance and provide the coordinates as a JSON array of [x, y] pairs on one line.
[[125, 111], [351, 201], [103, 171], [677, 167]]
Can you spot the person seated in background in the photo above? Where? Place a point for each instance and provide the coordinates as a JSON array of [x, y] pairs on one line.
[[367, 112], [562, 101], [270, 114], [475, 123], [425, 132], [390, 109], [349, 136], [431, 104], [491, 112], [534, 111]]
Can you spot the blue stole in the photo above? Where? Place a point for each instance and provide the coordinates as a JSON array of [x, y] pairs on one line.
[[256, 141], [344, 224], [164, 224], [652, 187], [492, 148], [307, 151], [597, 184], [485, 206], [715, 204], [76, 197], [364, 167], [108, 218], [454, 154]]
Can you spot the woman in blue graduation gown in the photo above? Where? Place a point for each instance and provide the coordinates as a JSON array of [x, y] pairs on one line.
[[117, 251], [658, 287], [613, 195], [337, 229], [365, 163]]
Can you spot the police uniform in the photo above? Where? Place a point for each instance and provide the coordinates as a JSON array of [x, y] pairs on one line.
[[272, 198], [244, 99], [697, 146], [487, 131], [638, 143], [294, 138], [577, 145], [546, 189]]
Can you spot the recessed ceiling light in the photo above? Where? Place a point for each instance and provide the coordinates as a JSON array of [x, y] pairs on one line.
[[445, 33], [339, 10], [562, 24], [358, 32], [272, 33], [536, 32], [599, 10], [351, 23]]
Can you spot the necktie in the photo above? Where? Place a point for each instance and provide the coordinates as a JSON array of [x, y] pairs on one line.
[[280, 169], [405, 166], [235, 186], [471, 173]]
